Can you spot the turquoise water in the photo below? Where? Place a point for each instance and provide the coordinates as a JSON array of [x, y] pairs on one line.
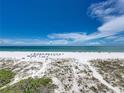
[[64, 48]]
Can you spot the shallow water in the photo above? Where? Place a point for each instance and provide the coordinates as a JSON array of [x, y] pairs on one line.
[[64, 48]]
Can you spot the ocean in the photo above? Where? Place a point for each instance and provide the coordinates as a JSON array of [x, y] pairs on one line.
[[64, 48]]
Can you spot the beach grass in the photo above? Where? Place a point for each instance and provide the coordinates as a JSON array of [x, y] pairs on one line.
[[6, 76]]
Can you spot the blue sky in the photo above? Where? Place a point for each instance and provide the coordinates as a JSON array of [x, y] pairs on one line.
[[61, 22]]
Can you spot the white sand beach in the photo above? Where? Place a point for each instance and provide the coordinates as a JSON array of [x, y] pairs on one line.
[[82, 56]]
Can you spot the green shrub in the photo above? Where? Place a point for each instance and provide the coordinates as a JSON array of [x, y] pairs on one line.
[[30, 85], [5, 76]]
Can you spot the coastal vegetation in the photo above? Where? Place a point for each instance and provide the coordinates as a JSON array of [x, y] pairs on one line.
[[6, 76], [30, 85], [112, 70], [62, 75]]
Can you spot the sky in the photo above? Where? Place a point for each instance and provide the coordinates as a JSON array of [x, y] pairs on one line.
[[62, 22]]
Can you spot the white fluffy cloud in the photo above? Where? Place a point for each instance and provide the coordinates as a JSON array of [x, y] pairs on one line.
[[58, 42], [111, 13], [107, 10], [114, 26], [23, 42], [109, 28], [27, 42], [73, 36]]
